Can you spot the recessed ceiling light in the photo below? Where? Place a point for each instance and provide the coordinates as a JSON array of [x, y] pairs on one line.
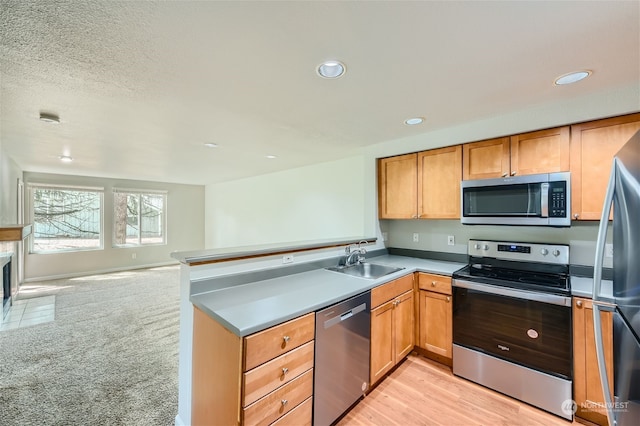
[[271, 157], [211, 145], [331, 69], [572, 77], [413, 121], [65, 158], [49, 118]]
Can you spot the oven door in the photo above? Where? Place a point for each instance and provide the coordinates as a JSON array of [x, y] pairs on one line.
[[528, 328]]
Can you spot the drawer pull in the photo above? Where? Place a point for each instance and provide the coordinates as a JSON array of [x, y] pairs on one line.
[[448, 298], [285, 338], [284, 402], [433, 283], [579, 303], [285, 370]]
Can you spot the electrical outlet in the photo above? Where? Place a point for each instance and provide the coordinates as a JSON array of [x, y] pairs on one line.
[[385, 236], [608, 250], [287, 258], [416, 237], [133, 255], [451, 240]]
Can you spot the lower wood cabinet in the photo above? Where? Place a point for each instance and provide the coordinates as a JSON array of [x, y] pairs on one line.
[[587, 388], [392, 325], [262, 379], [435, 331]]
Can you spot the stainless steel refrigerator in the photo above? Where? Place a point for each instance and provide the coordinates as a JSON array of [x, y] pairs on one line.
[[623, 407]]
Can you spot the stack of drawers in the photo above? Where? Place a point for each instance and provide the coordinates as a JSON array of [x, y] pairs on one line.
[[277, 382]]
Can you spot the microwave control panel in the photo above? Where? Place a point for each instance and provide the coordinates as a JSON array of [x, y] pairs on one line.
[[557, 199]]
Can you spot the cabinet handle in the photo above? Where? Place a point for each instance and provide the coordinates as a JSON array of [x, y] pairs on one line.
[[448, 298], [513, 173], [579, 303], [575, 216], [415, 216], [504, 174], [285, 338], [285, 370], [433, 283], [284, 402]]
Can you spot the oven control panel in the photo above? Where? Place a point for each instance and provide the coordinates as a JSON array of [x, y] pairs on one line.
[[527, 252]]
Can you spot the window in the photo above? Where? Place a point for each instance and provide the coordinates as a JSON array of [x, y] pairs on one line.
[[138, 217], [66, 218]]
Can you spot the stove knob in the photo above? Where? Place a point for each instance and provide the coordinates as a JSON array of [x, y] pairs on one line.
[[544, 252], [476, 246], [485, 247], [556, 252]]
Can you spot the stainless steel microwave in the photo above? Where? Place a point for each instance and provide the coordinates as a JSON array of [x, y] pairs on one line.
[[543, 200]]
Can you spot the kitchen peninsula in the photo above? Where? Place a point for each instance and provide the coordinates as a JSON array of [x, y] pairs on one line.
[[228, 295]]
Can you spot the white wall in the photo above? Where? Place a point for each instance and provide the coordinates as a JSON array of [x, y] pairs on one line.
[[339, 198], [321, 201], [185, 230]]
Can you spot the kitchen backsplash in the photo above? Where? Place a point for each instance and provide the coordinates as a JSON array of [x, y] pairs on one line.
[[433, 235]]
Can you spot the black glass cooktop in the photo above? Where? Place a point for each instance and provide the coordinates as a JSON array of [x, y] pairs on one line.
[[527, 276]]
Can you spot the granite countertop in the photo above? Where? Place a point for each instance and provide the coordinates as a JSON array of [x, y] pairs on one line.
[[249, 308]]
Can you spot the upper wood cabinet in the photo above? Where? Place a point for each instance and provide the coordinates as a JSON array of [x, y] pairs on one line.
[[424, 185], [543, 151], [485, 159], [439, 172], [398, 187], [593, 146]]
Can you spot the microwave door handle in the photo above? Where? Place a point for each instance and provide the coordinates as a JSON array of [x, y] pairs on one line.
[[544, 200]]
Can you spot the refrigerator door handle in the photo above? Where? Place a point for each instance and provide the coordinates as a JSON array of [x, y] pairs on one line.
[[602, 234], [602, 368], [597, 286]]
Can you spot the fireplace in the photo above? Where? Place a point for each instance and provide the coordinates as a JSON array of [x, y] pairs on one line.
[[6, 287]]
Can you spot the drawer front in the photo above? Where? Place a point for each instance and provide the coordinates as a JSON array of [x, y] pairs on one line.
[[268, 344], [277, 372], [437, 283], [279, 402], [299, 416], [388, 291]]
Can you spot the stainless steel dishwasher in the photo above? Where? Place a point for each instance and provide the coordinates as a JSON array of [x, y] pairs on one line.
[[341, 373]]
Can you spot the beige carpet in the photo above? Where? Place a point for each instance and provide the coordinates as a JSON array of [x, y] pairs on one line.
[[109, 358]]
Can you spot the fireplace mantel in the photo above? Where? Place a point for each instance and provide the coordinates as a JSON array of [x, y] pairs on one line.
[[15, 232]]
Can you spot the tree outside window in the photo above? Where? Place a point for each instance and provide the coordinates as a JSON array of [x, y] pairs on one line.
[[66, 219], [138, 218]]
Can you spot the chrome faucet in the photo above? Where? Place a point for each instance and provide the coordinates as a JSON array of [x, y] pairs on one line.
[[352, 257]]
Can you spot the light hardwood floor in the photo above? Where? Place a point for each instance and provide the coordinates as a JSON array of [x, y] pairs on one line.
[[423, 392]]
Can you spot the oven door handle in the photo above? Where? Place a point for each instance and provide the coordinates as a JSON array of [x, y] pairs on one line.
[[554, 299]]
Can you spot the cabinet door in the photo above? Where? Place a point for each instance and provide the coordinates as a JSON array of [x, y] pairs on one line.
[[403, 325], [436, 332], [398, 187], [382, 331], [544, 151], [586, 380], [593, 146], [485, 159], [439, 173]]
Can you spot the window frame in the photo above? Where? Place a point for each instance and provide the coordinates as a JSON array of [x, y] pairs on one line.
[[33, 186], [140, 193]]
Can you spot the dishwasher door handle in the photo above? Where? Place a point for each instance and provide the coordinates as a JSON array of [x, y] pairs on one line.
[[344, 316]]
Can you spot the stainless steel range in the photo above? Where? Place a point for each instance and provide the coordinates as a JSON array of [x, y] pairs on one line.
[[512, 322]]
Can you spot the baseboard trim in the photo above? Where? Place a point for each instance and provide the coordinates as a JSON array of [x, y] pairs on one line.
[[98, 272]]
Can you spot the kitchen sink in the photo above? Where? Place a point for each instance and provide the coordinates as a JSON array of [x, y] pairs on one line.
[[366, 270]]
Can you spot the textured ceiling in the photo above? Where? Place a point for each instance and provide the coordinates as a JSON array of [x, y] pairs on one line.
[[140, 86]]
